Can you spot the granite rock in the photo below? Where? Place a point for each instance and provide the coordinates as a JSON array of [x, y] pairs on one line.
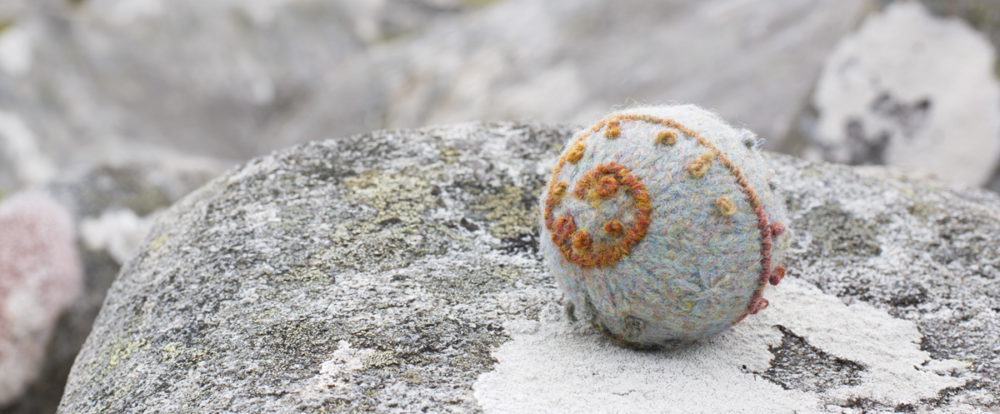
[[398, 271]]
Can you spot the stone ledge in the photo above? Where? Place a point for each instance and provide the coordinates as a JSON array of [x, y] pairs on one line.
[[397, 271]]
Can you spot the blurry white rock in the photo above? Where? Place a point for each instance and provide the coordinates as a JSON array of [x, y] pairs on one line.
[[913, 91], [118, 231], [22, 163]]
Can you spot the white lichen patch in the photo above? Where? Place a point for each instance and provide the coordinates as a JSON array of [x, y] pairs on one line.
[[556, 368], [119, 231], [335, 372], [897, 370]]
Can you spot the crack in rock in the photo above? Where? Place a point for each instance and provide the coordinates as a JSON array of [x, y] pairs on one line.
[[799, 365]]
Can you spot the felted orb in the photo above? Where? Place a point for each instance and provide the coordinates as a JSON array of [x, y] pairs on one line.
[[661, 227]]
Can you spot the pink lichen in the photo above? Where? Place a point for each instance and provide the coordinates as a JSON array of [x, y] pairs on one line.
[[40, 276]]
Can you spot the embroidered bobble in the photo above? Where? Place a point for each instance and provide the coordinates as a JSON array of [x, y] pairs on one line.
[[777, 275], [758, 305], [699, 166], [726, 206], [581, 241], [666, 137], [614, 228], [777, 228], [576, 152], [606, 187], [614, 129], [559, 189]]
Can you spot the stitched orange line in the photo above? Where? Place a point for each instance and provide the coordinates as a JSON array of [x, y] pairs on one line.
[[576, 245]]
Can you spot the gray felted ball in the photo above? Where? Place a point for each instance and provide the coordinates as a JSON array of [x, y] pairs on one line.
[[661, 227]]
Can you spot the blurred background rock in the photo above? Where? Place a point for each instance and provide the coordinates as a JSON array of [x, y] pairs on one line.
[[117, 108]]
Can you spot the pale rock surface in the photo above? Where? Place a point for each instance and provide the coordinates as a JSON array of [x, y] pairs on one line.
[[910, 90], [398, 271]]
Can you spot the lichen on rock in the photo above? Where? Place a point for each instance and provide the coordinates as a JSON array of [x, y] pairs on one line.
[[263, 292]]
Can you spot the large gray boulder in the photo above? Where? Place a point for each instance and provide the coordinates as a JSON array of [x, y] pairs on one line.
[[397, 271]]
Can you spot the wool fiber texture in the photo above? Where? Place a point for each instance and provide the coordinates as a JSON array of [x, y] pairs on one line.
[[661, 226]]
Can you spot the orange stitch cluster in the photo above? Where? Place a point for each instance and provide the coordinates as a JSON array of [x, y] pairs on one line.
[[614, 228], [614, 129], [576, 245], [581, 240], [559, 189], [576, 152], [726, 206], [699, 166], [667, 137], [606, 187]]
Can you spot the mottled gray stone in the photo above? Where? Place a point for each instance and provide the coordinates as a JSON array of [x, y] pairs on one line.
[[398, 271]]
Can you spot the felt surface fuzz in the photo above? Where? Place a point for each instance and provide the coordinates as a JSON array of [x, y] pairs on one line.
[[660, 225]]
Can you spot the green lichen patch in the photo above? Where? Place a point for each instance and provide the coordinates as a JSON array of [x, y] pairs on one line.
[[968, 241], [181, 354], [467, 284], [397, 232], [922, 209], [509, 211], [171, 351], [158, 242], [837, 233], [297, 345], [306, 274], [511, 214], [448, 154], [380, 359], [124, 350]]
